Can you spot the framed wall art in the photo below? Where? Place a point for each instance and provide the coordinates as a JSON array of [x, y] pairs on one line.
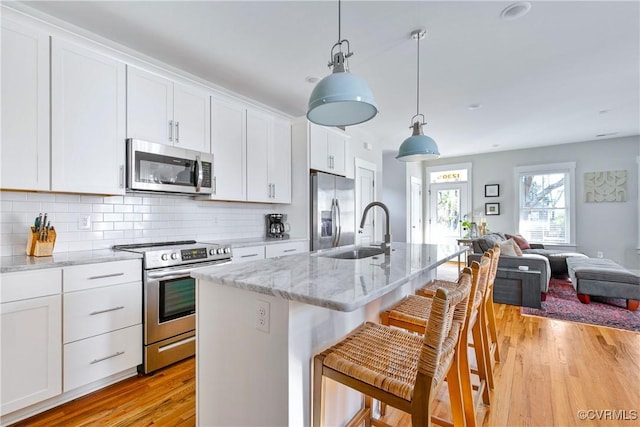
[[492, 208], [492, 190]]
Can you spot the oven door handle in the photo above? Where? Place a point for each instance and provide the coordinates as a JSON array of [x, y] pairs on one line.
[[179, 272]]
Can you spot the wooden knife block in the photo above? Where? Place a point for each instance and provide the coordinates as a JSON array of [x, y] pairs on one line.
[[39, 248]]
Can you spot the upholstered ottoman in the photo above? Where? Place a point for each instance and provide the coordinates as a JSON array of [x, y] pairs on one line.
[[603, 277]]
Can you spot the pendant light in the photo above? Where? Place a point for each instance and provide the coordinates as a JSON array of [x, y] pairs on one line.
[[341, 99], [418, 146]]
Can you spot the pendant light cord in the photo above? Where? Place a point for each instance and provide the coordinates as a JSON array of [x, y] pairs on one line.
[[339, 23], [418, 80]]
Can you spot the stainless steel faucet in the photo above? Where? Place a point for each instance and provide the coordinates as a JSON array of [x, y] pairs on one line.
[[387, 237]]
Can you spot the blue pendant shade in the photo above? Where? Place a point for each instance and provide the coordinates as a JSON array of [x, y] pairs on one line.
[[418, 147], [341, 99]]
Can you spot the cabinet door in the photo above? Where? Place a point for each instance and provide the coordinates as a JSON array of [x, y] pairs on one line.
[[228, 146], [191, 115], [25, 108], [88, 120], [258, 185], [319, 157], [279, 161], [31, 351], [336, 146], [149, 107]]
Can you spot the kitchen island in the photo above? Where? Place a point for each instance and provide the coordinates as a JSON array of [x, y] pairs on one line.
[[259, 325]]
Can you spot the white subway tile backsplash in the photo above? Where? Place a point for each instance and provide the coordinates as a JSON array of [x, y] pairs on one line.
[[125, 219]]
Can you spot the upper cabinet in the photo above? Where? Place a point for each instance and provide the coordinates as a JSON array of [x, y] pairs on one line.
[[87, 120], [167, 112], [228, 146], [24, 159], [268, 158], [327, 148]]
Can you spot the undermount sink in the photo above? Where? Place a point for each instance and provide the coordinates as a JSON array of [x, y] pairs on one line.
[[356, 253]]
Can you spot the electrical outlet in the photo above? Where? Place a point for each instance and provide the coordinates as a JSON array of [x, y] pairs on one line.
[[262, 316], [599, 254], [84, 222]]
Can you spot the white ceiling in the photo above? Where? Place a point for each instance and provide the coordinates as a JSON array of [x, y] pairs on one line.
[[543, 79]]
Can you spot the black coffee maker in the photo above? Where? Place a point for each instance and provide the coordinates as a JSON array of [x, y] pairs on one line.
[[276, 226]]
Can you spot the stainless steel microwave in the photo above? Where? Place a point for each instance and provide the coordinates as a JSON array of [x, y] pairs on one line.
[[167, 169]]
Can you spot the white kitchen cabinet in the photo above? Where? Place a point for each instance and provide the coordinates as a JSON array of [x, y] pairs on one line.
[[247, 253], [87, 120], [288, 248], [24, 159], [31, 340], [102, 320], [167, 112], [268, 158], [228, 146], [327, 148]]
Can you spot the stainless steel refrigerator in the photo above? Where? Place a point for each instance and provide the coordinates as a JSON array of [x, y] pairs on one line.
[[332, 211]]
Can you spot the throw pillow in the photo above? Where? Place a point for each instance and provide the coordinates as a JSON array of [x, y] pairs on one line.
[[521, 241], [509, 248]]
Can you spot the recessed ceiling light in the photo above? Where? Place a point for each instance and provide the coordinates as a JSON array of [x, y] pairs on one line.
[[601, 135], [515, 11], [311, 79], [474, 106]]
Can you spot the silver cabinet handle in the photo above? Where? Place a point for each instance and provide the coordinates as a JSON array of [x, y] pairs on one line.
[[177, 131], [106, 275], [289, 250], [93, 313], [121, 176], [329, 162], [118, 353], [248, 255], [170, 130], [274, 191]]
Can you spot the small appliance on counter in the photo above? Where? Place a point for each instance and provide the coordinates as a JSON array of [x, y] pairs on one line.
[[276, 226]]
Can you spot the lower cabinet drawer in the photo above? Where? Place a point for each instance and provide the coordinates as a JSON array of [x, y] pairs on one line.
[[98, 357], [98, 311], [289, 248], [248, 253]]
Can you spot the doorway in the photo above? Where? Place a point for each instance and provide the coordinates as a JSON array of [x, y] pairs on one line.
[[449, 202], [416, 232], [365, 194]]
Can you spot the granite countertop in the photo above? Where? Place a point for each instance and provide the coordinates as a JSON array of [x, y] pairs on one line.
[[9, 264], [338, 284]]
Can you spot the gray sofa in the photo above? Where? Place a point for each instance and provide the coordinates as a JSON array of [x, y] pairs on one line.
[[511, 279]]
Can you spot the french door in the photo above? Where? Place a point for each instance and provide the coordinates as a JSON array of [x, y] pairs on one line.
[[448, 205]]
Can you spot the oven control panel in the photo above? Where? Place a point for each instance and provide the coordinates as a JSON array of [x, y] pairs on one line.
[[193, 254]]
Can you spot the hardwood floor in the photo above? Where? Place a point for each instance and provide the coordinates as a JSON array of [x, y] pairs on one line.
[[550, 371]]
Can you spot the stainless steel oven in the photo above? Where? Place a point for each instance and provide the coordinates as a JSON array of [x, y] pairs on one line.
[[169, 297]]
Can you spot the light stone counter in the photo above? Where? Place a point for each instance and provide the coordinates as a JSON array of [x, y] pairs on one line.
[[9, 264], [338, 284], [259, 325], [243, 243]]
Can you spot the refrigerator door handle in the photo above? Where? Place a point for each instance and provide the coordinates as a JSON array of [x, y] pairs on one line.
[[334, 229], [339, 223]]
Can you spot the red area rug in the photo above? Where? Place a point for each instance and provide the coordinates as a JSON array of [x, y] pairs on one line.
[[562, 304]]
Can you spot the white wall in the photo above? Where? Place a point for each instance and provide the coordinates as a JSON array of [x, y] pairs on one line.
[[611, 228]]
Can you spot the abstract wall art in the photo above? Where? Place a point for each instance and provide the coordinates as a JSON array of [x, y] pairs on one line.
[[607, 186]]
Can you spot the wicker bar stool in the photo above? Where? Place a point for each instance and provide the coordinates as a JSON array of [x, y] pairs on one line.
[[399, 368], [489, 311], [411, 314], [494, 348]]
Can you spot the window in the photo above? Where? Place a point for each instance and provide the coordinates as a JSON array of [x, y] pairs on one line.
[[546, 195]]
